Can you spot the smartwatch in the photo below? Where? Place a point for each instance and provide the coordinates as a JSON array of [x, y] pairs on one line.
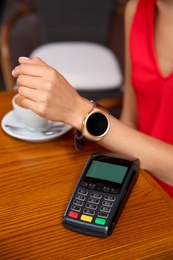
[[95, 126]]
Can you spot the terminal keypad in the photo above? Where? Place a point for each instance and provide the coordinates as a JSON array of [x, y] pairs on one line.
[[91, 205]]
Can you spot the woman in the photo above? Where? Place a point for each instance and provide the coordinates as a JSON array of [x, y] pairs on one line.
[[146, 127]]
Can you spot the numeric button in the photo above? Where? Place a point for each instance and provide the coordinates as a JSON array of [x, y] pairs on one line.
[[105, 209], [89, 212], [107, 203], [103, 215], [80, 197], [91, 206], [83, 192], [109, 198], [78, 203], [75, 208], [95, 195], [94, 201]]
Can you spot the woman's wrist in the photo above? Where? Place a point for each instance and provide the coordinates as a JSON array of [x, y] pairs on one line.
[[81, 109]]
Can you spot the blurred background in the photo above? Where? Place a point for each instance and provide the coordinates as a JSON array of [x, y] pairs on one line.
[[25, 32]]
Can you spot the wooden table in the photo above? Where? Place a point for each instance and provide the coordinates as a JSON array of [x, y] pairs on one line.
[[33, 198]]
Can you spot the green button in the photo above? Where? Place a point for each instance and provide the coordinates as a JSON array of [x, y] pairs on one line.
[[100, 221]]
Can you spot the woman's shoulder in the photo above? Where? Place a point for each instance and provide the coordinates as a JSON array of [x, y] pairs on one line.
[[130, 9], [131, 4]]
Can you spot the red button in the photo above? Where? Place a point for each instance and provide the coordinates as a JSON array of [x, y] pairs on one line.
[[73, 214]]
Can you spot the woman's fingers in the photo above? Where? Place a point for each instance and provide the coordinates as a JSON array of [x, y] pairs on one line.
[[34, 60], [30, 66], [28, 69]]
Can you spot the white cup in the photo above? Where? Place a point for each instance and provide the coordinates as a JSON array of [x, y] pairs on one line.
[[31, 120]]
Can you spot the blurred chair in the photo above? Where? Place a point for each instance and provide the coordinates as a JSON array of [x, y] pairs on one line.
[[74, 36]]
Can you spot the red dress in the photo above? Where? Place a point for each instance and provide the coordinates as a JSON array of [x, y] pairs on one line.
[[154, 92]]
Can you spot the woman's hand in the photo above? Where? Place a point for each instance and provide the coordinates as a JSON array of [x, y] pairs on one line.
[[48, 93]]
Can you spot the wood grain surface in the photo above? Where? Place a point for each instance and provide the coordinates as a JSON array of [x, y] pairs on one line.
[[36, 182]]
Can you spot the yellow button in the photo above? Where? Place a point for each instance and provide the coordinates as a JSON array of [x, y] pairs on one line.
[[86, 218]]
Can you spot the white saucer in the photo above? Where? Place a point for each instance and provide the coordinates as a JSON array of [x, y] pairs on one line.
[[24, 134]]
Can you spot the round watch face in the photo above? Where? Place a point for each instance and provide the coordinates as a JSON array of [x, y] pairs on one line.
[[97, 124]]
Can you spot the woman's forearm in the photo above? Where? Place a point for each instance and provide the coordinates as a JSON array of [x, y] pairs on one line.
[[155, 156]]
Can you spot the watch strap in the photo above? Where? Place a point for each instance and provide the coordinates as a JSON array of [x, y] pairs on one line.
[[79, 141]]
